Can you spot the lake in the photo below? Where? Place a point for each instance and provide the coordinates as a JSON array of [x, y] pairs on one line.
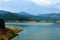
[[37, 31]]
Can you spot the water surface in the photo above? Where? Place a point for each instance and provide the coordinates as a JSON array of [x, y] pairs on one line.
[[37, 31]]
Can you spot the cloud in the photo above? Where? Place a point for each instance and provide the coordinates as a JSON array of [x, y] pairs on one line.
[[34, 6], [5, 0], [42, 2], [46, 3]]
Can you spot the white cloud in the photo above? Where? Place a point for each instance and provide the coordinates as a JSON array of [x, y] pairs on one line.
[[46, 3], [4, 0], [41, 2]]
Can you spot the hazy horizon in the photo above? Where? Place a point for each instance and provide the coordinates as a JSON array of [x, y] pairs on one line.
[[33, 7]]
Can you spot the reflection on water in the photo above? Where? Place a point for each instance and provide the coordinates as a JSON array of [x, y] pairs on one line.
[[37, 31]]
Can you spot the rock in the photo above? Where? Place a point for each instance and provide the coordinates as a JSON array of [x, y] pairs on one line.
[[9, 32], [16, 30]]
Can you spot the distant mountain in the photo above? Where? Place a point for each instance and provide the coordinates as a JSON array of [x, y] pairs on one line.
[[50, 14], [25, 16], [28, 16], [10, 16], [55, 16], [16, 16], [24, 13]]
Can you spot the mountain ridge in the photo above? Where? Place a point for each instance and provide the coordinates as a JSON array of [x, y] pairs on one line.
[[24, 16]]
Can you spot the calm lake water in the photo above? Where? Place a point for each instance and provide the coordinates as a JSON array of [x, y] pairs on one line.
[[37, 31]]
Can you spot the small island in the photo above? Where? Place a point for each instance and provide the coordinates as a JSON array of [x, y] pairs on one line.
[[8, 32]]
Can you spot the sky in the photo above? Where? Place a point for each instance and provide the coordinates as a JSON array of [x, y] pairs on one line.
[[31, 6]]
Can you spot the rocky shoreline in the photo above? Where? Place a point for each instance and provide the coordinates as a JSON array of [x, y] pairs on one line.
[[9, 32]]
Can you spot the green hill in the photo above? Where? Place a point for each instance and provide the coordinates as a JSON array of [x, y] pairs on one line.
[[24, 16]]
